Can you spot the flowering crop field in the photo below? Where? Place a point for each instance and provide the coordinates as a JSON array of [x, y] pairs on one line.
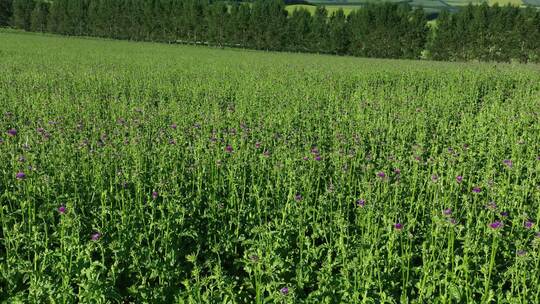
[[151, 173]]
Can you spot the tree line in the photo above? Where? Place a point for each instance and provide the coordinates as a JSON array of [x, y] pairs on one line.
[[384, 30]]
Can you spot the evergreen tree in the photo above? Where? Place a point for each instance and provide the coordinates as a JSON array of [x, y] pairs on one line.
[[217, 18], [6, 12], [339, 33], [319, 35], [299, 30], [440, 46], [22, 11], [38, 18]]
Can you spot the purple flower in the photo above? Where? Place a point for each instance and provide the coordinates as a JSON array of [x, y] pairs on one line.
[[452, 221], [496, 225], [40, 130], [508, 162], [314, 150], [528, 224], [361, 202], [298, 197], [96, 236], [306, 158], [155, 195], [477, 190], [434, 178], [228, 149], [397, 171], [398, 226], [504, 214], [318, 158], [62, 209], [257, 145], [447, 211], [284, 291], [20, 175], [174, 126], [521, 252], [381, 174], [459, 179], [12, 132]]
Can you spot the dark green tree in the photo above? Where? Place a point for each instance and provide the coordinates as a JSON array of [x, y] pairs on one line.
[[38, 18], [22, 11], [6, 12]]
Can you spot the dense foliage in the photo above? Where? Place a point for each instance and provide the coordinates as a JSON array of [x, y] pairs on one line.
[[150, 173], [383, 30]]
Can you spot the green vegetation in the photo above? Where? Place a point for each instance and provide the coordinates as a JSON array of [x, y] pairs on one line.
[[150, 173], [383, 30]]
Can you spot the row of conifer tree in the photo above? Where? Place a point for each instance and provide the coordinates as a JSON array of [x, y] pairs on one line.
[[384, 30]]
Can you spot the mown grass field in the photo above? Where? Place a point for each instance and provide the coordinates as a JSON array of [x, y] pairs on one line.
[[151, 173]]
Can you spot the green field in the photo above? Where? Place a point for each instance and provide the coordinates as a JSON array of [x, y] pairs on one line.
[[153, 173], [430, 6]]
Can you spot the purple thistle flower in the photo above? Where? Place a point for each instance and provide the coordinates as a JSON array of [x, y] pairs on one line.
[[284, 291], [306, 158], [508, 162], [459, 179], [298, 197], [361, 202], [12, 132], [434, 178], [381, 174], [496, 225], [398, 226], [40, 130], [257, 145], [504, 214], [20, 175], [397, 171], [62, 209], [155, 195], [521, 252], [452, 221], [174, 126], [447, 211], [477, 190], [318, 158], [314, 150], [228, 149], [528, 224], [96, 236]]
